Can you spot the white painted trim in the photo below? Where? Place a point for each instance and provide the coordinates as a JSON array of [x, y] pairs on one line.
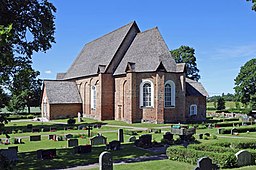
[[93, 91], [173, 93], [190, 109], [152, 92]]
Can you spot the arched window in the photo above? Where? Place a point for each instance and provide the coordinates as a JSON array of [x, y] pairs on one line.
[[193, 109], [169, 94], [93, 97], [146, 93]]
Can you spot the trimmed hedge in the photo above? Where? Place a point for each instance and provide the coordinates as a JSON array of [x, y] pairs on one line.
[[228, 124], [191, 155], [243, 129]]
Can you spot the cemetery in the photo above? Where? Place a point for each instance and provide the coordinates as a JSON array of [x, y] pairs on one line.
[[82, 143]]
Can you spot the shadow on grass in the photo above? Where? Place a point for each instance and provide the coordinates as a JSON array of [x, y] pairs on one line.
[[67, 159], [46, 127]]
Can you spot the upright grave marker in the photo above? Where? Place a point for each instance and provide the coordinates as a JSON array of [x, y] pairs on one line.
[[121, 135], [244, 158], [106, 161]]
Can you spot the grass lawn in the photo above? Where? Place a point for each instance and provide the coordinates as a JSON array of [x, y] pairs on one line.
[[66, 158], [156, 165]]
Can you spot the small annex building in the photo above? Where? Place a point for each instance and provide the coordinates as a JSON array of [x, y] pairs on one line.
[[125, 75]]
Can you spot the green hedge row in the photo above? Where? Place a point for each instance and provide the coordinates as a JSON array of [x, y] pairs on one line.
[[190, 155], [239, 129], [213, 148], [237, 145], [228, 124]]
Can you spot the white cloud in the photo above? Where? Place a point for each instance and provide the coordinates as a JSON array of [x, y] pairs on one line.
[[232, 52], [48, 72]]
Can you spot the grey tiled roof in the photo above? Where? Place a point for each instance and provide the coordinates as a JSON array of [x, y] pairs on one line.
[[59, 92], [98, 52], [147, 51], [194, 88], [180, 67]]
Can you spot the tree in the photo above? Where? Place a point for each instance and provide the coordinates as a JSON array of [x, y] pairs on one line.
[[253, 4], [29, 17], [25, 89], [245, 83], [186, 54], [220, 103], [32, 30]]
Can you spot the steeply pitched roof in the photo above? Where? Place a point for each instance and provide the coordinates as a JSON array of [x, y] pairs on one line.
[[147, 51], [59, 92], [98, 52], [195, 88]]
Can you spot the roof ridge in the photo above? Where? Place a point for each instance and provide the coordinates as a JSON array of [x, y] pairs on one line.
[[131, 23]]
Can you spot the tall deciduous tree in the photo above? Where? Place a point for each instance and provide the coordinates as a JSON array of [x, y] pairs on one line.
[[32, 30], [253, 5], [186, 54], [245, 83]]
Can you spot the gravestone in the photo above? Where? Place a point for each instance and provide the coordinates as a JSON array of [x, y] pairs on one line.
[[83, 149], [72, 142], [68, 136], [81, 127], [114, 145], [168, 136], [132, 139], [35, 138], [234, 131], [201, 136], [121, 135], [52, 137], [205, 163], [207, 134], [18, 141], [244, 158], [219, 130], [144, 141], [106, 161], [78, 117], [10, 154], [35, 130], [53, 129], [46, 153], [98, 140], [29, 126]]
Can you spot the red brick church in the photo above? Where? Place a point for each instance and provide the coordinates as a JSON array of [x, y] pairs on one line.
[[125, 75]]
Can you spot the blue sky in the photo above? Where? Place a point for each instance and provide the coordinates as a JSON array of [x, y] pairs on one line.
[[221, 32]]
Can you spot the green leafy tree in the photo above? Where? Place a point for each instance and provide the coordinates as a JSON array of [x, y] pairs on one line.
[[253, 4], [186, 54], [32, 30], [25, 89], [221, 103], [245, 83]]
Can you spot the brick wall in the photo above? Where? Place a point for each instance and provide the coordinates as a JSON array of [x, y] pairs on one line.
[[200, 101], [64, 110], [127, 98]]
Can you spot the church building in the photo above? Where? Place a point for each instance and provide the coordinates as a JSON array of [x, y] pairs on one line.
[[125, 75]]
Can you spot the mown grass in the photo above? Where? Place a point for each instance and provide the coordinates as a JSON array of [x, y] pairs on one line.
[[66, 158]]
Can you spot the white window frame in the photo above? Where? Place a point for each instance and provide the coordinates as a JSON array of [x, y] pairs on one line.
[[173, 94], [93, 97], [143, 82], [193, 109]]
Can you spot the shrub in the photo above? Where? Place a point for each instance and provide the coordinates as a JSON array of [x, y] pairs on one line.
[[71, 121], [190, 155], [243, 129]]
